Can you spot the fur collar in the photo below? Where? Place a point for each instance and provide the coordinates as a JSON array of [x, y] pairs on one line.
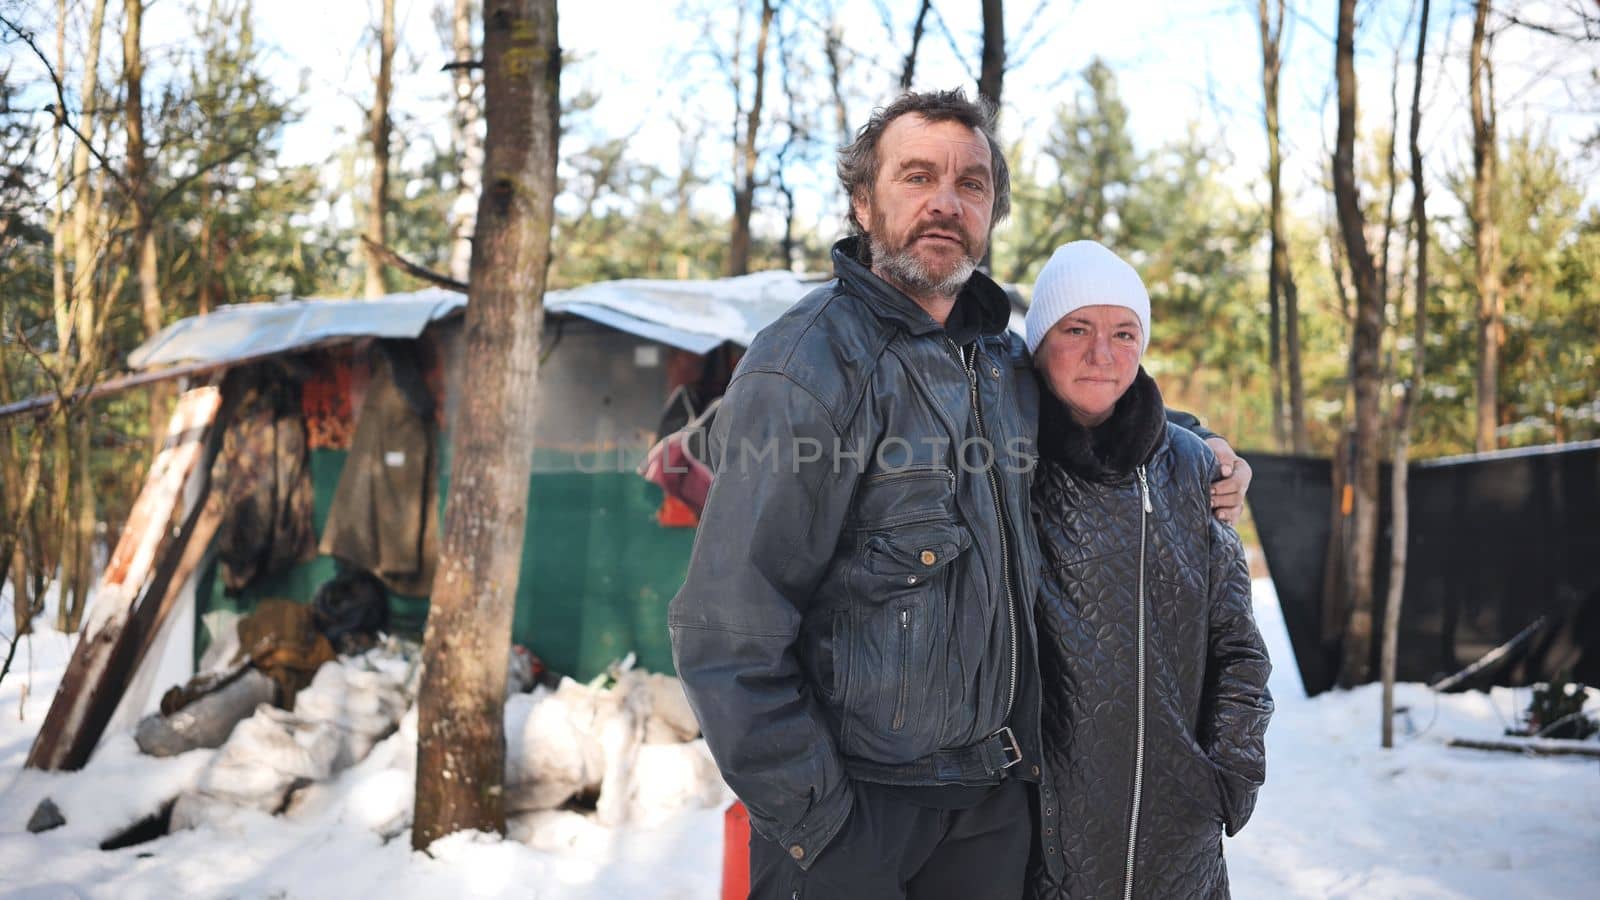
[[1110, 451]]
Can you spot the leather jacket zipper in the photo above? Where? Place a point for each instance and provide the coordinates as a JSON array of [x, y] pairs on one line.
[[912, 472], [968, 362], [905, 668], [1138, 752]]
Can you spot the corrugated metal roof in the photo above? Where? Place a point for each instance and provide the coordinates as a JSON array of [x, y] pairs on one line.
[[691, 315]]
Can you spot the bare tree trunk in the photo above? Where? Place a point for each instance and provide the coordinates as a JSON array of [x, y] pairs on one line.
[[21, 596], [1271, 42], [379, 127], [908, 72], [833, 49], [1391, 180], [1300, 439], [460, 732], [86, 250], [1485, 229], [28, 547], [780, 162], [19, 483], [1364, 348], [1400, 505], [992, 69], [991, 75], [209, 291], [683, 185], [139, 187], [744, 189], [83, 530], [65, 522], [468, 144], [61, 293], [133, 98]]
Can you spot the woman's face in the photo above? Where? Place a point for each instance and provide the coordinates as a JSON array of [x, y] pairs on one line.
[[1089, 359]]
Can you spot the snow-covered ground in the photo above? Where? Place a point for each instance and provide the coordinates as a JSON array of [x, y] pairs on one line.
[[1338, 818]]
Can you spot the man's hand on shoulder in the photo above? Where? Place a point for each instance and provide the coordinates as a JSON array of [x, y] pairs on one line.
[[1227, 492]]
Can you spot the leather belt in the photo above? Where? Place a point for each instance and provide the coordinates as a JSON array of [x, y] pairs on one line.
[[982, 762]]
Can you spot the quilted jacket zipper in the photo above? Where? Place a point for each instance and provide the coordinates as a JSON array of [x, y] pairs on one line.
[[1138, 751]]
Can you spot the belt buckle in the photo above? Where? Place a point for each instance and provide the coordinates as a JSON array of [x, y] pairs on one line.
[[1008, 745]]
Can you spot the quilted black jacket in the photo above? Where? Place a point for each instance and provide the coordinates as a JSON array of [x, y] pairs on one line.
[[1154, 675]]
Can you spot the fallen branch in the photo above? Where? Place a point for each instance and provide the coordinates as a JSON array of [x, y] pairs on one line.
[[1491, 658], [1532, 746], [410, 268]]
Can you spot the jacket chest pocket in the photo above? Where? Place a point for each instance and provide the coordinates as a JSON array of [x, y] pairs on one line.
[[902, 587]]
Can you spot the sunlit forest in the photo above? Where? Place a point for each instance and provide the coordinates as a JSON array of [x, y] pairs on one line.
[[147, 180]]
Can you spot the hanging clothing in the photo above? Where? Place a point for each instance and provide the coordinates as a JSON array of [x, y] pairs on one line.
[[677, 464], [261, 478], [383, 518]]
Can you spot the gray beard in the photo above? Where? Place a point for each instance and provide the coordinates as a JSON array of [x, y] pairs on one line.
[[906, 269]]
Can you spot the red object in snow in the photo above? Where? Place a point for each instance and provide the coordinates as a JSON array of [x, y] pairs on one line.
[[735, 853]]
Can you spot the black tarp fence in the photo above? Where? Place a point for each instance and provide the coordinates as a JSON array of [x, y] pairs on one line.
[[1497, 540]]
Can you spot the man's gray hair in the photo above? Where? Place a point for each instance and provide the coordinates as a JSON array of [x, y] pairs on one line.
[[859, 160]]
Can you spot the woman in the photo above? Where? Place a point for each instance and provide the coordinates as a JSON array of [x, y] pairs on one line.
[[1154, 675]]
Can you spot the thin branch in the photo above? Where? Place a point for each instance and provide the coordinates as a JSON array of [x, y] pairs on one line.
[[950, 38], [38, 358], [395, 260], [1015, 60], [60, 106], [194, 176], [1591, 29], [908, 71]]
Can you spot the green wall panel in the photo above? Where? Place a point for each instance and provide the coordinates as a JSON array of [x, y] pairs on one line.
[[597, 571]]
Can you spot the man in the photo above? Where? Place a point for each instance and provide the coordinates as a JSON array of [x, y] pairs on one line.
[[855, 632]]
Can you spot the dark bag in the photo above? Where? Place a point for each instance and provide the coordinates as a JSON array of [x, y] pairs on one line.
[[350, 609]]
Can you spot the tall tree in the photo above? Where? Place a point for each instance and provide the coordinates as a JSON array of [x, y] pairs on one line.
[[834, 52], [992, 64], [137, 167], [461, 729], [746, 153], [908, 69], [140, 201], [379, 127], [1365, 374], [465, 140], [1283, 302], [1399, 504], [25, 283], [1485, 228], [83, 321]]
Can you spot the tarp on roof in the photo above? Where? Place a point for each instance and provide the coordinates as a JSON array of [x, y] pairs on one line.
[[691, 315]]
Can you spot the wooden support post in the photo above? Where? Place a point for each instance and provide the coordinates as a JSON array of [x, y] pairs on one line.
[[139, 573]]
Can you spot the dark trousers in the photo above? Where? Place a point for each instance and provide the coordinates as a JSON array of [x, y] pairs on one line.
[[891, 849]]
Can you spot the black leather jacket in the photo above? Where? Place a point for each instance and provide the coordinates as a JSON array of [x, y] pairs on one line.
[[857, 599], [1154, 675]]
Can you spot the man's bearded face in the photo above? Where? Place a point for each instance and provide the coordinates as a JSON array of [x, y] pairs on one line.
[[929, 212]]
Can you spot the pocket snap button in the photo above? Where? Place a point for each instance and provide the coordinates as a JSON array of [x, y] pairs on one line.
[[929, 557], [911, 579]]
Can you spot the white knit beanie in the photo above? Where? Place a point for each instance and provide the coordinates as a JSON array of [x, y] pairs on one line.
[[1084, 273]]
